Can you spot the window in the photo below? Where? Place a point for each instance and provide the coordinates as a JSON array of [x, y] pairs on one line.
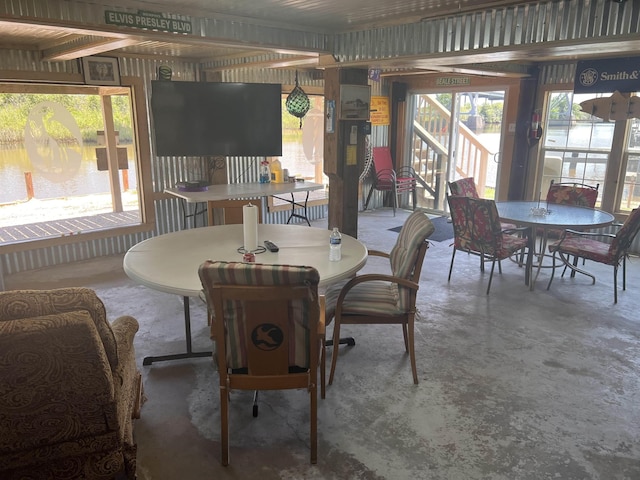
[[56, 178], [303, 149], [580, 147]]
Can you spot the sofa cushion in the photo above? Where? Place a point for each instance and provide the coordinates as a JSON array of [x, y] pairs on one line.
[[56, 394], [33, 303]]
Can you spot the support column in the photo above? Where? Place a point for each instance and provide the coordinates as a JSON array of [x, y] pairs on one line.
[[344, 151]]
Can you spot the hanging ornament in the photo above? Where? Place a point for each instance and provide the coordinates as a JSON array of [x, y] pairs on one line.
[[297, 102]]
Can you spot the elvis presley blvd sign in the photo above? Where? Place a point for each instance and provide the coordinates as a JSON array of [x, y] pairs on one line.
[[165, 22]]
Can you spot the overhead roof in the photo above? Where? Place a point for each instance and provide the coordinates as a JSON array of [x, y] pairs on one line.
[[492, 37]]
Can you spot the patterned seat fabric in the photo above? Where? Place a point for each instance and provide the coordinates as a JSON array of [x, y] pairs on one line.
[[70, 386], [465, 187], [585, 245], [572, 194], [477, 230], [569, 194], [238, 273]]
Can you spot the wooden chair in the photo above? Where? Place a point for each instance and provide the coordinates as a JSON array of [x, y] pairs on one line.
[[268, 331], [477, 230], [231, 210], [389, 180], [585, 245], [378, 298]]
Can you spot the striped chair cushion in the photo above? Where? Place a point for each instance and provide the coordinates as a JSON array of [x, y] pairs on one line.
[[416, 229], [238, 273], [372, 298]]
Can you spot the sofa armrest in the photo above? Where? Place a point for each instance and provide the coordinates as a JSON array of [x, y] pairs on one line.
[[126, 377], [58, 388]]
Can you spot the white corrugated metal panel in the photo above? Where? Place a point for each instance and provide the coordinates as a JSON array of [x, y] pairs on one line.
[[499, 27]]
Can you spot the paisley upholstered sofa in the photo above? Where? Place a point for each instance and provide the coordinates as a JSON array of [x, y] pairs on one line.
[[69, 387]]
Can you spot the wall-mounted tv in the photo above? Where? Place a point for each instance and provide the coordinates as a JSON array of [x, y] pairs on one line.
[[215, 118]]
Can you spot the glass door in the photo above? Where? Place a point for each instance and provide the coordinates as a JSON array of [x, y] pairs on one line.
[[456, 135]]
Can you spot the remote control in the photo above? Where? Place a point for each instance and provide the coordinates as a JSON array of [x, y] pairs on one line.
[[272, 247]]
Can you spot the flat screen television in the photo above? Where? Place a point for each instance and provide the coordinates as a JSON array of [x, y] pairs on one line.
[[215, 118]]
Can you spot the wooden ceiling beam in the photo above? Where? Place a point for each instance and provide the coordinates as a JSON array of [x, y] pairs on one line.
[[84, 47]]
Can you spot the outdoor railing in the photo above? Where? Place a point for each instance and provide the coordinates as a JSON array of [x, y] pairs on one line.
[[430, 153]]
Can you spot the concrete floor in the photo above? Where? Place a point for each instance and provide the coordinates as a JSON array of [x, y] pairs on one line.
[[516, 385]]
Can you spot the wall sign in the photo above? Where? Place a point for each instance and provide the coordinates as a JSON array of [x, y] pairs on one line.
[[607, 75], [165, 22], [379, 114], [450, 81]]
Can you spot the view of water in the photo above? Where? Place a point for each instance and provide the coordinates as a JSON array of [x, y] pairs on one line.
[[86, 179], [82, 179]]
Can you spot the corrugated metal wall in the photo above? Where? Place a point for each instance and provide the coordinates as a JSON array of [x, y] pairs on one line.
[[500, 27], [550, 21], [166, 171]]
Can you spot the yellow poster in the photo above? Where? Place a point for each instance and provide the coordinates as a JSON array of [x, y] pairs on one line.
[[379, 111]]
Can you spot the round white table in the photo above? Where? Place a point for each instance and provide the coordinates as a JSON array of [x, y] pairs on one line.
[[169, 263]]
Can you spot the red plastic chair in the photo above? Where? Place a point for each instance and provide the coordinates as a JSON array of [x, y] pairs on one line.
[[388, 180]]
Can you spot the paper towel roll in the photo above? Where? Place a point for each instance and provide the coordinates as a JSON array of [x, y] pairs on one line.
[[250, 227]]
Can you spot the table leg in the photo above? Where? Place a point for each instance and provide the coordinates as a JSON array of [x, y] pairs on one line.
[[293, 209], [184, 205], [189, 353]]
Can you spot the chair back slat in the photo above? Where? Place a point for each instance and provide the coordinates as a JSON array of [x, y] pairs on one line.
[[262, 305]]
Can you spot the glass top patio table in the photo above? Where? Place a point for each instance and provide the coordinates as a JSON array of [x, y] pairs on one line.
[[557, 217]]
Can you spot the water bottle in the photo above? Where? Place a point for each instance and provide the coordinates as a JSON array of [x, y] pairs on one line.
[[335, 245], [265, 172]]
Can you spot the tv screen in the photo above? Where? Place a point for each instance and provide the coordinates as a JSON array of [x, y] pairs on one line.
[[206, 118]]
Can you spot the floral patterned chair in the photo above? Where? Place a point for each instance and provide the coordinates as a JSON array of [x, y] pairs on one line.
[[465, 187], [477, 230], [585, 245], [577, 194], [69, 387], [269, 332], [573, 194]]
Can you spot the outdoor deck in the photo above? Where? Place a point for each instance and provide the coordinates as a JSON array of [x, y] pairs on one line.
[[66, 227]]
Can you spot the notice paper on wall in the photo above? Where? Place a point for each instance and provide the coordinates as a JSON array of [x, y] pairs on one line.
[[250, 227]]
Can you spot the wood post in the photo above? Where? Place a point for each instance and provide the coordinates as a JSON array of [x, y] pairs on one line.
[[28, 180]]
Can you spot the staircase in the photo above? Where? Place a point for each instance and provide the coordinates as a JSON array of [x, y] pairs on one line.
[[430, 154]]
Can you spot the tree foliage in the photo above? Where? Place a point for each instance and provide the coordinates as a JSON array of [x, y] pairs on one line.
[[85, 109]]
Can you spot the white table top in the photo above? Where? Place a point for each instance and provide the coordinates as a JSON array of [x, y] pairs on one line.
[[169, 263], [231, 191], [560, 216]]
